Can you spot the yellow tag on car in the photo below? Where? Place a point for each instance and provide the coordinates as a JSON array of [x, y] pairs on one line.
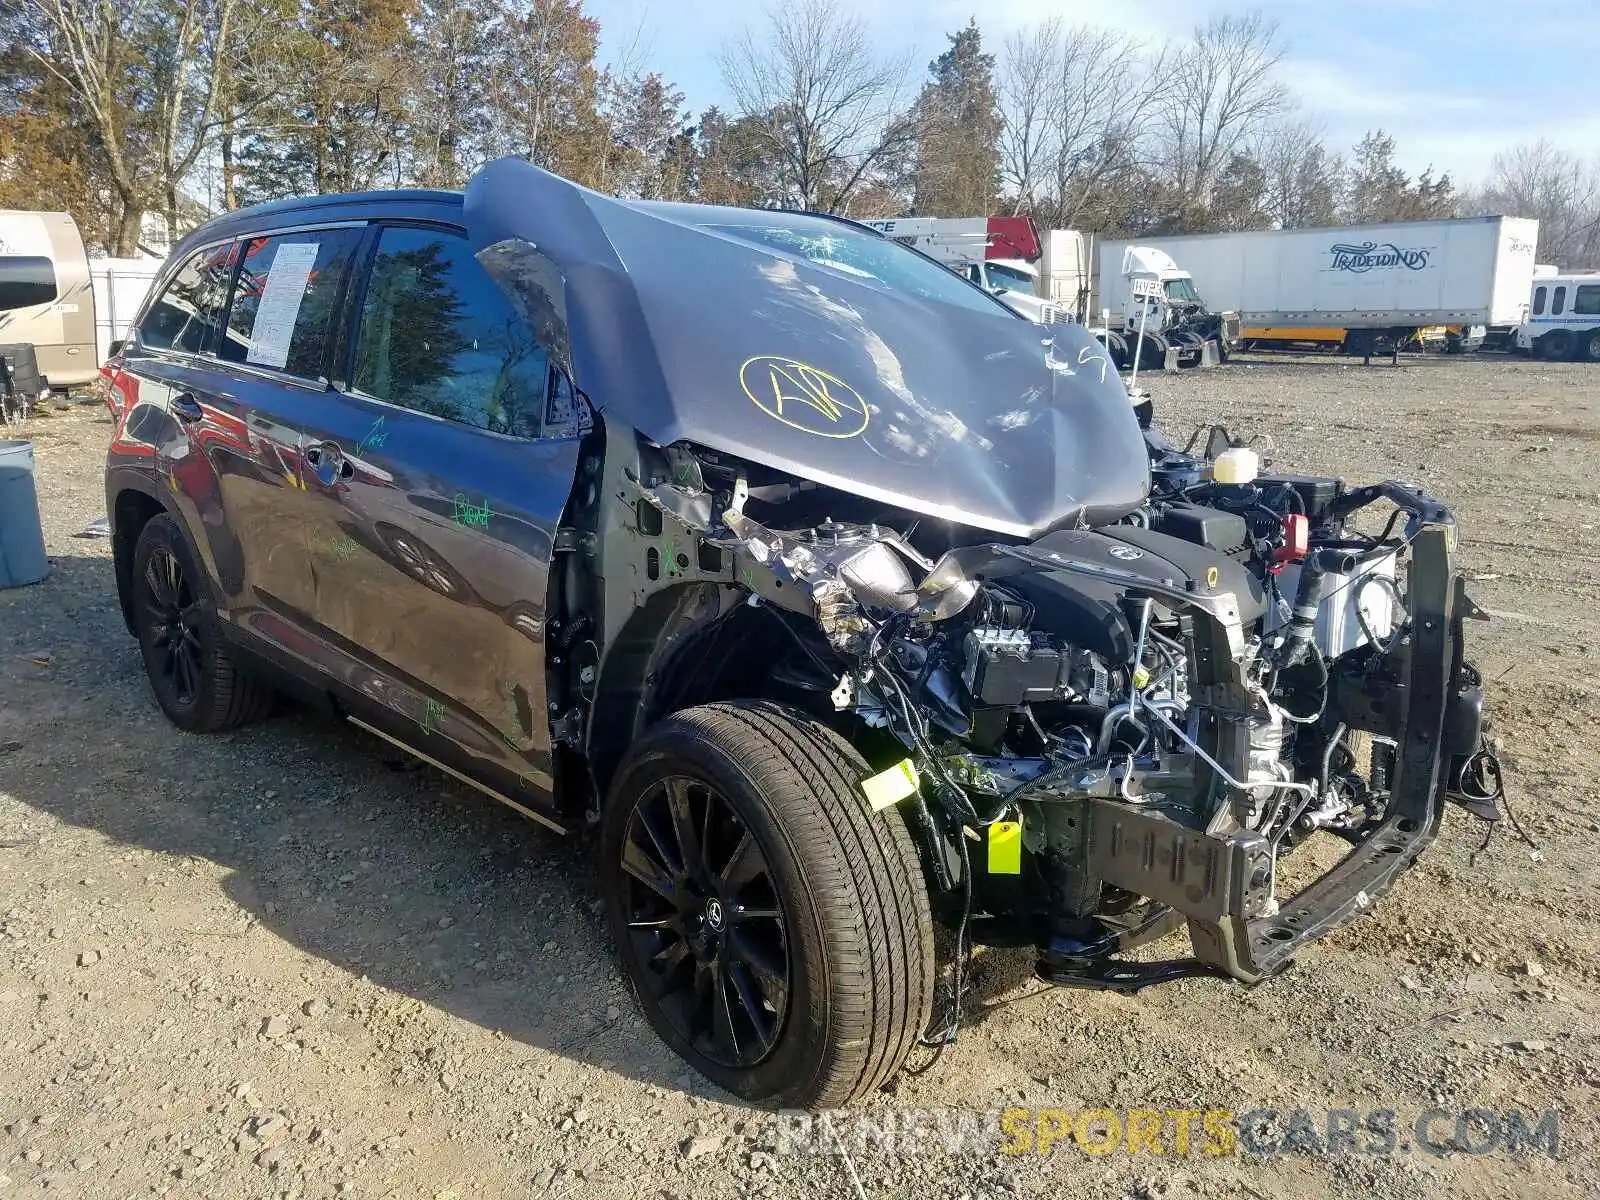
[[888, 788], [1005, 848]]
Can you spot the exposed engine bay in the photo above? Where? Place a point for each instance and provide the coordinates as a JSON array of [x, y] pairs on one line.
[[1110, 733]]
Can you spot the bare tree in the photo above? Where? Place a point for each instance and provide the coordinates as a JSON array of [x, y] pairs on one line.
[[1026, 79], [1221, 92], [545, 85], [828, 108], [1078, 103], [1302, 180], [448, 88], [1535, 179], [172, 53], [1104, 99]]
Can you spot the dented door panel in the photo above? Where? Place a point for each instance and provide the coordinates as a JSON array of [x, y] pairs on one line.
[[429, 546]]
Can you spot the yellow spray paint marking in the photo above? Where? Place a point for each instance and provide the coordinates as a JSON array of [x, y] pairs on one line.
[[803, 397]]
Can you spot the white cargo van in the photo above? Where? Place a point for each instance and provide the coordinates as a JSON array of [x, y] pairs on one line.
[[1563, 319]]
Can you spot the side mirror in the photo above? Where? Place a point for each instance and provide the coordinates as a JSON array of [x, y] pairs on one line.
[[115, 348]]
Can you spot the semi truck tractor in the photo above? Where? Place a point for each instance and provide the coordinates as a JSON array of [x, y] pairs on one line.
[[1158, 318], [1364, 289]]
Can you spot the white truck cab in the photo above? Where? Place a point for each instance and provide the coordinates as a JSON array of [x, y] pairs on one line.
[[1563, 318], [1015, 284], [977, 248], [1159, 294]]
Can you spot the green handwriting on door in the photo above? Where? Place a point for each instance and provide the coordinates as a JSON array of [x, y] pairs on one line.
[[468, 513]]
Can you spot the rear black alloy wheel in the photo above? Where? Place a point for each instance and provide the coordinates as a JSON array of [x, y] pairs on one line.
[[705, 919], [172, 614], [191, 672]]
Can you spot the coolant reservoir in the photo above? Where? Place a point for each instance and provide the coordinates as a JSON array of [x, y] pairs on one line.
[[1238, 465]]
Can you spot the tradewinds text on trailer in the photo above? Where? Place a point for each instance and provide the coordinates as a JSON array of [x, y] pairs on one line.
[[1365, 289]]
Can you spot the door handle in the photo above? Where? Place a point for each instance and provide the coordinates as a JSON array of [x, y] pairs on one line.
[[328, 461], [186, 408]]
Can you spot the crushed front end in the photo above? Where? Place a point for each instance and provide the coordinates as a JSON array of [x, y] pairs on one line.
[[1115, 688], [1112, 733]]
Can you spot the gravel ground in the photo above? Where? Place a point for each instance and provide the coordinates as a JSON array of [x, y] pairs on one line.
[[284, 962]]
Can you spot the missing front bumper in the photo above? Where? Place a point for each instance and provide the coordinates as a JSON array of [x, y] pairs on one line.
[[1221, 882]]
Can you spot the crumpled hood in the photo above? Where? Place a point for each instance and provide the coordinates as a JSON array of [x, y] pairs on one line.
[[692, 333]]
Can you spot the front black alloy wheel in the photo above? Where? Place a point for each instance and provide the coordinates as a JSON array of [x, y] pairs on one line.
[[775, 929], [194, 678], [705, 920]]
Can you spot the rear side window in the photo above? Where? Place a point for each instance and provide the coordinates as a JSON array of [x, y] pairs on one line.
[[1559, 305], [187, 314], [284, 314], [26, 280], [1538, 301], [438, 336], [1586, 301]]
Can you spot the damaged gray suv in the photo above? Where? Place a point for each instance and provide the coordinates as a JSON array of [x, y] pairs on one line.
[[838, 599]]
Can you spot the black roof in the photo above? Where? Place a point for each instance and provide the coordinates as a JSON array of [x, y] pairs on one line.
[[334, 206], [444, 203]]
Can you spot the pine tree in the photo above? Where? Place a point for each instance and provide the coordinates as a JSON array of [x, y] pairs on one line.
[[1379, 190], [957, 128]]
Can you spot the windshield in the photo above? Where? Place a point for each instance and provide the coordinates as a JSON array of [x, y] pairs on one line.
[[866, 256], [1010, 278], [1182, 289]]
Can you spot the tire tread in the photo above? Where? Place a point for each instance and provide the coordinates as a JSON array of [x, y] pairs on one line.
[[230, 697], [863, 876]]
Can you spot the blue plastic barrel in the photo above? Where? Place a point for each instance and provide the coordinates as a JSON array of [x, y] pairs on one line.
[[22, 556]]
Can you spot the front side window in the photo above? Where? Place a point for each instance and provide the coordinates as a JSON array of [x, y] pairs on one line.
[[187, 314], [283, 313], [1183, 290], [438, 336], [1559, 304], [1538, 301], [1586, 300]]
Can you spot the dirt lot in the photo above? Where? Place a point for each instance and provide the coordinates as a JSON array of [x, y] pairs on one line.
[[285, 963]]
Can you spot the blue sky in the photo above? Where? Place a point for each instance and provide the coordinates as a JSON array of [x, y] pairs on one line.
[[1452, 80]]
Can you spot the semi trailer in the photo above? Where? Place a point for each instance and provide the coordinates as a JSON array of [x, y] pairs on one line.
[[1363, 289]]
